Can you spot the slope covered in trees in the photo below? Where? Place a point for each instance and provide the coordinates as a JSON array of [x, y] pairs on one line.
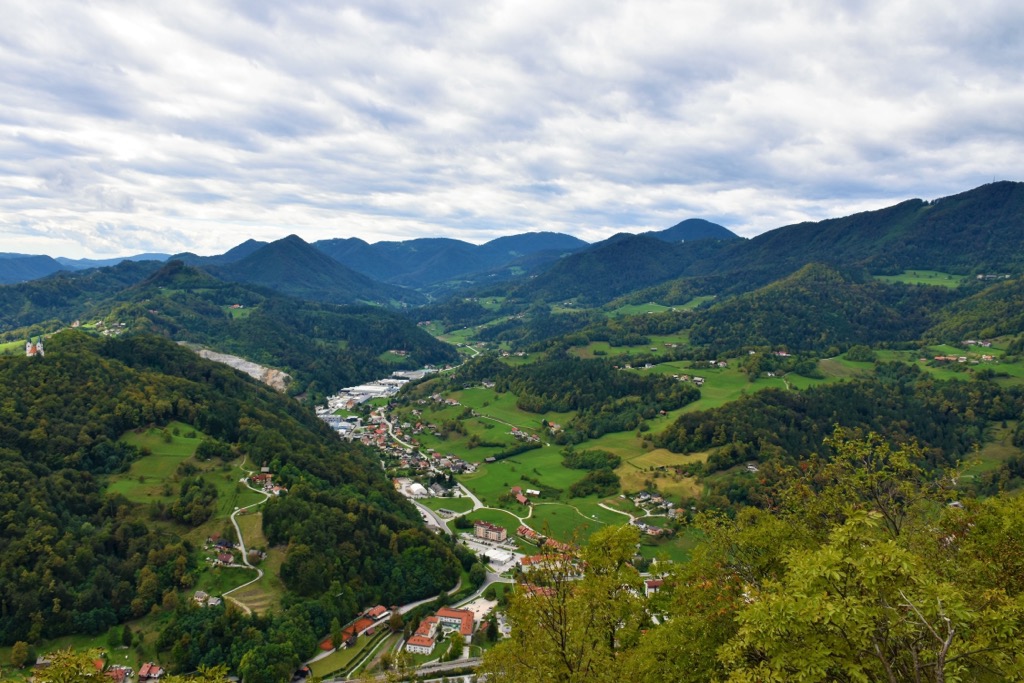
[[605, 398], [817, 308], [861, 572], [322, 346], [77, 559]]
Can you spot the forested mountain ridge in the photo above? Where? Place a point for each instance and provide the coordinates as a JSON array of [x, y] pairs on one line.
[[77, 559], [977, 231], [817, 308], [430, 261], [295, 268], [323, 346], [56, 301]]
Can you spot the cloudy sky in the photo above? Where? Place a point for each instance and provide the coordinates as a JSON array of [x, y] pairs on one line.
[[193, 125]]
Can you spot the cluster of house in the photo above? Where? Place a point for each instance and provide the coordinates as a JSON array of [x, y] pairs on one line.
[[204, 599], [222, 547], [437, 627], [488, 531], [517, 354], [520, 495], [648, 529], [976, 342], [651, 502], [113, 330], [438, 398], [699, 381], [150, 672], [265, 480], [524, 436], [964, 359]]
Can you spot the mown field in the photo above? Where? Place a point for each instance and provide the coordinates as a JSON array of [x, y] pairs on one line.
[[923, 277]]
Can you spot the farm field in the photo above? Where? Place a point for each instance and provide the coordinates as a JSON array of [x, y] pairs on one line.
[[453, 504], [639, 309], [997, 449], [505, 519], [146, 477], [923, 277], [492, 480]]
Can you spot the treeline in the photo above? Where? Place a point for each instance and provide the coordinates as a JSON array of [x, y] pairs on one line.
[[75, 559], [947, 418], [605, 398]]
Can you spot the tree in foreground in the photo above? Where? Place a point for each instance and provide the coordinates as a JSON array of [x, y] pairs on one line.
[[861, 573], [568, 629]]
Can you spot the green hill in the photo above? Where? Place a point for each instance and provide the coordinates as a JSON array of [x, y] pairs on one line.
[[75, 558], [816, 308]]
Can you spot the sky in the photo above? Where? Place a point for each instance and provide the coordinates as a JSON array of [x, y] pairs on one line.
[[151, 126]]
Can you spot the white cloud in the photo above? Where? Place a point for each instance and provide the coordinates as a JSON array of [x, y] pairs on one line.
[[196, 124]]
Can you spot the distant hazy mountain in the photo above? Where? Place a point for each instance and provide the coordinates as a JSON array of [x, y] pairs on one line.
[[83, 263], [230, 256], [293, 267], [22, 267], [429, 261]]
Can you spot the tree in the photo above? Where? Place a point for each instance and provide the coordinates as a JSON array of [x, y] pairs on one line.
[[19, 654], [570, 630], [458, 641], [336, 633], [396, 621], [68, 666], [863, 608], [477, 574]]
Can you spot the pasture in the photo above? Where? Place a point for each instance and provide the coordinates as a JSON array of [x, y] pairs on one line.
[[923, 277]]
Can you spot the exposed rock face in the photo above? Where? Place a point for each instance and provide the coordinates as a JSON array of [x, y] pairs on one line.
[[270, 376]]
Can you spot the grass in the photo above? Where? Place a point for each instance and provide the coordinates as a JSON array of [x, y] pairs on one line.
[[636, 473], [453, 504], [997, 449], [923, 277], [346, 657], [675, 549], [565, 523], [266, 593], [238, 313], [499, 517], [145, 479], [639, 309], [492, 480]]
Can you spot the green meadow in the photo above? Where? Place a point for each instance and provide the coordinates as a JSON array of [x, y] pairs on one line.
[[923, 277]]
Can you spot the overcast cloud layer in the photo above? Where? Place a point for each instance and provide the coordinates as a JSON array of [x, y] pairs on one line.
[[170, 126]]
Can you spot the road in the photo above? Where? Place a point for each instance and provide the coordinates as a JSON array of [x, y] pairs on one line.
[[241, 542]]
